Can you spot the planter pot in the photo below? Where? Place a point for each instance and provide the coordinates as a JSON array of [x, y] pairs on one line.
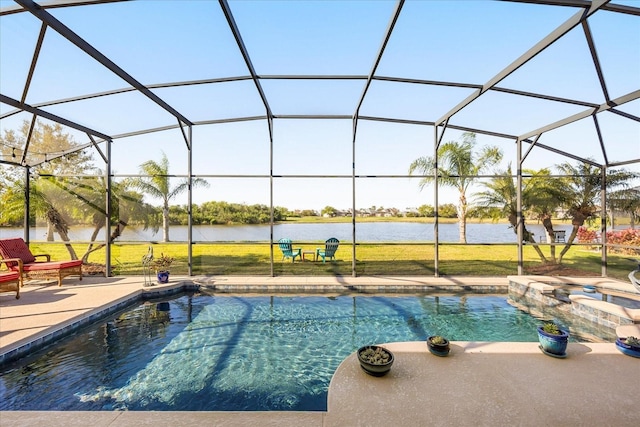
[[553, 345], [438, 349], [163, 276], [382, 365], [629, 350]]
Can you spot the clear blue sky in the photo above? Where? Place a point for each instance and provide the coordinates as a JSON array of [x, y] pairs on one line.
[[453, 41]]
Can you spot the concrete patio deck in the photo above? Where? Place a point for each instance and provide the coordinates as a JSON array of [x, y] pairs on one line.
[[478, 384]]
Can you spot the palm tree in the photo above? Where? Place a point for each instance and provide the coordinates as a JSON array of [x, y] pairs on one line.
[[582, 185], [47, 200], [627, 201], [49, 196], [126, 206], [500, 200], [543, 195], [578, 191], [458, 165], [156, 185]]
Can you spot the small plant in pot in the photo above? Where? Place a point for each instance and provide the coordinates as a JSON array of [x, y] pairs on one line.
[[162, 265], [438, 345], [553, 339], [375, 360], [629, 346]]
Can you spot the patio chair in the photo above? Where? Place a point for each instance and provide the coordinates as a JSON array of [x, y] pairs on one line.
[[11, 281], [559, 235], [329, 250], [287, 250], [32, 269]]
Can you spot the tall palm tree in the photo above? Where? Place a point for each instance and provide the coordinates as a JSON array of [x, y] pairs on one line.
[[458, 165], [156, 184]]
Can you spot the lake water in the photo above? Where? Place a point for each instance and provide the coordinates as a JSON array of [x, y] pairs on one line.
[[303, 232]]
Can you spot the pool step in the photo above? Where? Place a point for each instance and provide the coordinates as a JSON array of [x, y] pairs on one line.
[[608, 311]]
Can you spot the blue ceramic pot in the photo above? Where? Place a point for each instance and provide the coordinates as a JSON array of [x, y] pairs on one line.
[[554, 344], [627, 349], [163, 277]]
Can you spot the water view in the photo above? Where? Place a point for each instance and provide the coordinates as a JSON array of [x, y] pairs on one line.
[[365, 232]]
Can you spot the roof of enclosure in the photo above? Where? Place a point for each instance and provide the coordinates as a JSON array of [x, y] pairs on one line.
[[520, 69]]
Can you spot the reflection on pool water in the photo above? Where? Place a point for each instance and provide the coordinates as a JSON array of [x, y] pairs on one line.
[[237, 353]]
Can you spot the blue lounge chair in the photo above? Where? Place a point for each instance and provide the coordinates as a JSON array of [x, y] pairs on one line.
[[329, 250], [288, 251]]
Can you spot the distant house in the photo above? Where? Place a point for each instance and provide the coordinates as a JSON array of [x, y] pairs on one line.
[[411, 212]]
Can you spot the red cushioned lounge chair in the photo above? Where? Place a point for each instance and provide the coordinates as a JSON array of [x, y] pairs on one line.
[[10, 281], [32, 269]]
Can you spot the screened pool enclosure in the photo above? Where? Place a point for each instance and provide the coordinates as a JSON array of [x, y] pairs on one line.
[[208, 130]]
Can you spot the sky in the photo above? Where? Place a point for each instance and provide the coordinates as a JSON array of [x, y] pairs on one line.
[[462, 42]]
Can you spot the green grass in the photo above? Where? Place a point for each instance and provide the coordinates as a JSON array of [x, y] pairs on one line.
[[372, 259]]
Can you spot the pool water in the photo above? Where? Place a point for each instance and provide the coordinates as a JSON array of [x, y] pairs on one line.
[[238, 353]]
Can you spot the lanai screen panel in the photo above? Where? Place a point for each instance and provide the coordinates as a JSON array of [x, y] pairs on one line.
[[285, 96], [194, 62]]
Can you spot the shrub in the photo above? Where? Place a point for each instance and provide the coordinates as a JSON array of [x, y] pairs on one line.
[[163, 262], [586, 235], [627, 237]]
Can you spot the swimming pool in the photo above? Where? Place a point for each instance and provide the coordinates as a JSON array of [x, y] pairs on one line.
[[199, 352]]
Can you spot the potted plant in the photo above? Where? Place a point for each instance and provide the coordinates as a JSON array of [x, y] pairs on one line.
[[553, 339], [438, 345], [629, 346], [375, 360], [162, 265]]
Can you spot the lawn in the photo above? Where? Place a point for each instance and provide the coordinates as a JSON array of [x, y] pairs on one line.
[[371, 259]]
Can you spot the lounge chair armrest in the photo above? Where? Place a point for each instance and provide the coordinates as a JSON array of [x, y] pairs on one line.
[[47, 256], [8, 260]]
